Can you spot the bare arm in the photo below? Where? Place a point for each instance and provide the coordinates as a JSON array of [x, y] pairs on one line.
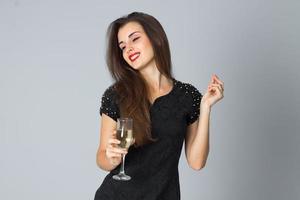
[[197, 136], [197, 140], [108, 156]]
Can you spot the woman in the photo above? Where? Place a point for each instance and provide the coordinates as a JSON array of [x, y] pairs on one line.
[[165, 113]]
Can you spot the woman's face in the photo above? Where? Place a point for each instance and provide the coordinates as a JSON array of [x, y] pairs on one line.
[[135, 45]]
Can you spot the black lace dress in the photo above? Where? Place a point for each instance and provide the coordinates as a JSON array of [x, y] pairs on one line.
[[154, 167]]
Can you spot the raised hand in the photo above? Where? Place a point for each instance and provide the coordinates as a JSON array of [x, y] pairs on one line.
[[214, 93]]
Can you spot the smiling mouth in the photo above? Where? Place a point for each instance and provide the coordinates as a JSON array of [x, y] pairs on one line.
[[134, 56]]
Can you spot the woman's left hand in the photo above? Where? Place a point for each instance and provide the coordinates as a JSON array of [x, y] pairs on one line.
[[214, 93]]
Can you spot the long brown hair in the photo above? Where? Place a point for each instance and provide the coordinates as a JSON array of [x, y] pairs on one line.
[[131, 87]]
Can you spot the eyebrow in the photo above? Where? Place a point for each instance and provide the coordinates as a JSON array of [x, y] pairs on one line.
[[130, 35]]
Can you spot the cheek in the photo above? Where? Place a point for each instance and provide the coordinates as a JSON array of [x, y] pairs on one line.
[[149, 48], [125, 57], [150, 51], [147, 44]]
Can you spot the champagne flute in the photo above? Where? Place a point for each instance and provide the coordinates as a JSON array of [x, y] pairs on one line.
[[125, 135]]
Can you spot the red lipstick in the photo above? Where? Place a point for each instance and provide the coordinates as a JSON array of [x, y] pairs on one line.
[[134, 56]]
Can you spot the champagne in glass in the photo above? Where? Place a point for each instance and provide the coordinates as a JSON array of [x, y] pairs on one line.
[[124, 134], [126, 138]]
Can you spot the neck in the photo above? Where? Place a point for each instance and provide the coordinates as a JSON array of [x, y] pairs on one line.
[[157, 83], [153, 77]]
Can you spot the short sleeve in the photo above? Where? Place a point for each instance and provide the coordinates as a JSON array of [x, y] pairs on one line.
[[194, 110], [109, 104]]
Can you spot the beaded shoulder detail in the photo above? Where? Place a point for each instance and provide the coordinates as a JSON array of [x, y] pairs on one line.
[[192, 93], [109, 103]]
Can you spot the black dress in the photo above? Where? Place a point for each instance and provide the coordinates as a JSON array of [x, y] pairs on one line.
[[154, 167]]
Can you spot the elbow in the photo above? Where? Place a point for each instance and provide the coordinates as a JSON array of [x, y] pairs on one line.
[[103, 163], [101, 166], [100, 163], [197, 166], [197, 163]]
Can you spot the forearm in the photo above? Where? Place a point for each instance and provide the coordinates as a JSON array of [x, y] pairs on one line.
[[200, 145], [103, 162]]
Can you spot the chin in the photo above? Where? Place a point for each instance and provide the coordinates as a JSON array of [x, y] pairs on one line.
[[136, 67]]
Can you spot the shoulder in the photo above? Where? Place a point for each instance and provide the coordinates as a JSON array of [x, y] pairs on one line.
[[190, 93], [110, 91], [109, 103], [188, 89], [110, 94]]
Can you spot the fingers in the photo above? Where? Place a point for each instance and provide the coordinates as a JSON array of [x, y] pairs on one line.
[[113, 141], [217, 85], [113, 152], [217, 90], [217, 80], [116, 150], [115, 162]]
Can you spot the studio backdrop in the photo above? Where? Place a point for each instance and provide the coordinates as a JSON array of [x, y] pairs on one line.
[[53, 73]]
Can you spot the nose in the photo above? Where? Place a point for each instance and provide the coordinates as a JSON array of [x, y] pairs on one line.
[[130, 49]]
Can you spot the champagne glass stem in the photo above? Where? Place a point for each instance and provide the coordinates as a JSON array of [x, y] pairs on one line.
[[123, 163]]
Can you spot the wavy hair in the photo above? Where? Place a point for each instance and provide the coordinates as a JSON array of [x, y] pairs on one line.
[[130, 86]]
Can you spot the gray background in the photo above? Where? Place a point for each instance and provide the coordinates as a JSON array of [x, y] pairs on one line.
[[53, 73]]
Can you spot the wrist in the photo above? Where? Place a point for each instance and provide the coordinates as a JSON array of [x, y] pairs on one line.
[[205, 107]]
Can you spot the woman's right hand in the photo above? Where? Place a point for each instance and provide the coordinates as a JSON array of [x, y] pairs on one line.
[[113, 152]]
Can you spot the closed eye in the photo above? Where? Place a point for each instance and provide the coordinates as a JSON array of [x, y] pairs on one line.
[[135, 38], [122, 48]]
